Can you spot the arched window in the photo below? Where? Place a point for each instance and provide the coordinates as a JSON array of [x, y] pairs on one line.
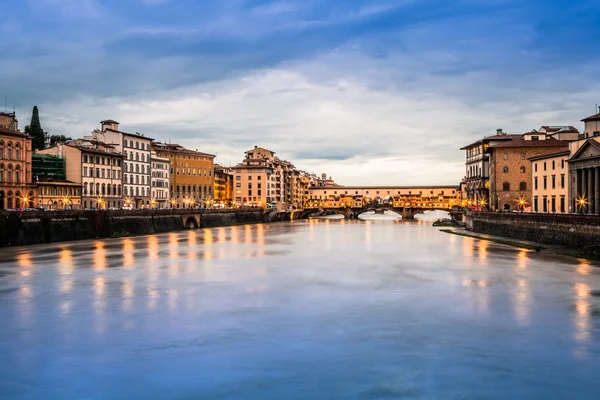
[[85, 188], [114, 192], [506, 186], [137, 145], [119, 189], [523, 186], [522, 169], [9, 151], [505, 170], [131, 143], [97, 188], [137, 156], [85, 158]]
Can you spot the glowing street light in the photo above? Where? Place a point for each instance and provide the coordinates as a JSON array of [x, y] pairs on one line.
[[128, 201], [100, 202], [65, 201], [582, 201], [173, 203], [24, 201], [152, 203], [522, 203]]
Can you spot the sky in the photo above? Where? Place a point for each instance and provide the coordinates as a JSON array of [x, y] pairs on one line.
[[371, 92]]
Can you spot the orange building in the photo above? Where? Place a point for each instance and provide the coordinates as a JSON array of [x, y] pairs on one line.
[[16, 188], [192, 175]]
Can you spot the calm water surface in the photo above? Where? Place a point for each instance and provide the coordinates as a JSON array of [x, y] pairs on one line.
[[302, 310]]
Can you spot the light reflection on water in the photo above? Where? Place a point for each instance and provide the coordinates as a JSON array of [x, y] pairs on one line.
[[346, 304]]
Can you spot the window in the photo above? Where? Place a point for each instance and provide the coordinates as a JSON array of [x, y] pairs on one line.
[[562, 163], [562, 181], [544, 165], [545, 203], [237, 178], [553, 181], [545, 182], [553, 204], [506, 186], [535, 183], [522, 169], [562, 204], [553, 164], [505, 170], [535, 204], [523, 186], [523, 156], [238, 184]]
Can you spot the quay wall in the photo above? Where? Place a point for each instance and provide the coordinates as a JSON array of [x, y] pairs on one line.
[[570, 230], [28, 228]]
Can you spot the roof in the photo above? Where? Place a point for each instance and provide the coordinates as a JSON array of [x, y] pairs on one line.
[[57, 183], [259, 148], [588, 142], [550, 155], [488, 139], [176, 148], [137, 134], [560, 129], [10, 132], [93, 150], [518, 141], [595, 117], [109, 121]]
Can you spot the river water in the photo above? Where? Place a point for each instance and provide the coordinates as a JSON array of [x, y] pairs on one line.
[[300, 310]]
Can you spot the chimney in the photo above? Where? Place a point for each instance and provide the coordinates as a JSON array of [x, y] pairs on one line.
[[499, 131]]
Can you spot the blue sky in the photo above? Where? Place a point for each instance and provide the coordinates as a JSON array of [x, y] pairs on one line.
[[371, 92]]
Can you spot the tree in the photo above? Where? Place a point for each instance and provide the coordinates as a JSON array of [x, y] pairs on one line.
[[58, 139], [34, 129]]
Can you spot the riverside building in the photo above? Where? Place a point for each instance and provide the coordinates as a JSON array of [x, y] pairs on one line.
[[136, 149], [191, 175], [550, 183], [160, 171]]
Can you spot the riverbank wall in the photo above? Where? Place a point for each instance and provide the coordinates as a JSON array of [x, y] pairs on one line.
[[26, 228], [569, 230]]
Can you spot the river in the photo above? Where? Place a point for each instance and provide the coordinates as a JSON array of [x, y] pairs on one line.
[[301, 310]]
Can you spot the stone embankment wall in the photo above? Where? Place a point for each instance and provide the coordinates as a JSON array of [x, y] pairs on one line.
[[45, 227], [571, 230]]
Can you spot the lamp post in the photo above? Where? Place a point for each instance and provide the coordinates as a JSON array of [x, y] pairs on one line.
[[582, 201]]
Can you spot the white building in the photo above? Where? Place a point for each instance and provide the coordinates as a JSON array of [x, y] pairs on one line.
[[160, 171], [136, 149]]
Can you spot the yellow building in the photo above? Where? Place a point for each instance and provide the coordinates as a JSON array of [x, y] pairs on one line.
[[62, 195], [550, 183], [223, 185], [192, 175]]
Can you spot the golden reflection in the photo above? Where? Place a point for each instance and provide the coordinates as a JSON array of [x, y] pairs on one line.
[[99, 286], [192, 242], [260, 239], [522, 300], [208, 238], [221, 235], [583, 309], [99, 257], [152, 247], [482, 251], [25, 291], [584, 267], [248, 234], [128, 249], [368, 235], [235, 234], [522, 259], [128, 294], [153, 296], [65, 270], [24, 260]]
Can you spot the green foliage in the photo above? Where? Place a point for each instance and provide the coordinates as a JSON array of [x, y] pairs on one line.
[[35, 130], [58, 139]]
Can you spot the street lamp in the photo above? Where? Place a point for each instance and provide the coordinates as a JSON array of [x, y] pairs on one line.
[[128, 201], [173, 203], [65, 201], [100, 202], [24, 201], [152, 203], [581, 201], [522, 203]]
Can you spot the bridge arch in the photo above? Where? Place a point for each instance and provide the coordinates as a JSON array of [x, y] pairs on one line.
[[191, 223]]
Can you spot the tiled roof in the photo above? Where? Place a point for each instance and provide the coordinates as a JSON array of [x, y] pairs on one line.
[[560, 129], [10, 132], [550, 155], [595, 117], [518, 141]]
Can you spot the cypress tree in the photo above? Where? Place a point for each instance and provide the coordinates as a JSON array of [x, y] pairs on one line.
[[35, 130]]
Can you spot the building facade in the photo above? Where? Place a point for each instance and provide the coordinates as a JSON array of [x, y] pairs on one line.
[[160, 180], [136, 149], [264, 180], [550, 183], [584, 169], [223, 191], [59, 195], [191, 175], [97, 167], [16, 188]]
